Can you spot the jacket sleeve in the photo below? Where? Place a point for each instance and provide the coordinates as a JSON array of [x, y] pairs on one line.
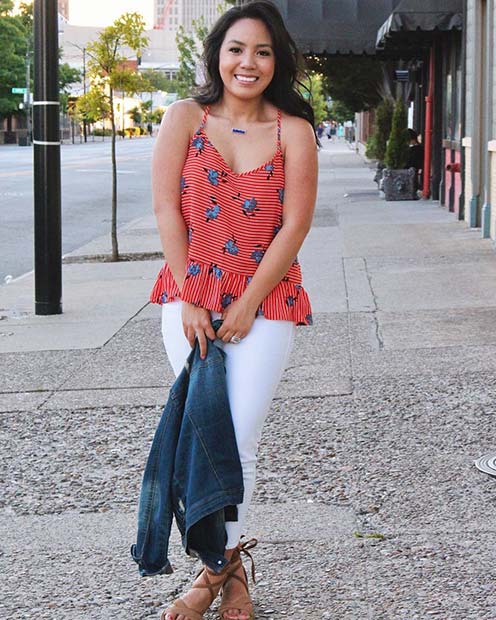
[[155, 506]]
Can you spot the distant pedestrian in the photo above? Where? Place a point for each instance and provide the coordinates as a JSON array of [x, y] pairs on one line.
[[149, 128], [231, 228]]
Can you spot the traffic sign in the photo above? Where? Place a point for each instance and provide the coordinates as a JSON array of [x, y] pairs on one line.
[[19, 91]]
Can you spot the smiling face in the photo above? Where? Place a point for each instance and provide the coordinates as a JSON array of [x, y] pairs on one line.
[[247, 59]]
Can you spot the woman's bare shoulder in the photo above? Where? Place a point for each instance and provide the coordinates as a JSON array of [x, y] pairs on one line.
[[187, 112], [295, 130]]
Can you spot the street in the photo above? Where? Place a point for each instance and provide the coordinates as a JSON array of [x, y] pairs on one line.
[[86, 196]]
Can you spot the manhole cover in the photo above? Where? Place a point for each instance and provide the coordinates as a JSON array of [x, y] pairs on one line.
[[487, 464]]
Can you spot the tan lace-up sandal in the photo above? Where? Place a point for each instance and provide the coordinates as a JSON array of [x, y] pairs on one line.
[[211, 581], [243, 601]]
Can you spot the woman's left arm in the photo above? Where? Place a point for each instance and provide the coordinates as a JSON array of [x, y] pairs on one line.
[[301, 168]]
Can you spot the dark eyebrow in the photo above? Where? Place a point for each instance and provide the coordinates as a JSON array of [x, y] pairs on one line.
[[258, 44]]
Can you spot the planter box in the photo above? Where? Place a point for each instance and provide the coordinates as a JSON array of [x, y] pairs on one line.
[[378, 174], [400, 184]]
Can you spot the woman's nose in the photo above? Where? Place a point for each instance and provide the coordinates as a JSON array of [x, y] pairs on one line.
[[247, 60]]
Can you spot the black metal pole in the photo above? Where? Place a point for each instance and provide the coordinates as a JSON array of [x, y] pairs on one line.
[[85, 122], [46, 145]]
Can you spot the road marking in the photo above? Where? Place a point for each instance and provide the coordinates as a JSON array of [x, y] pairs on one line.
[[92, 170], [73, 165]]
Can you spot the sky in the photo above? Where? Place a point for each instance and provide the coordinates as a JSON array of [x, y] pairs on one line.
[[104, 12]]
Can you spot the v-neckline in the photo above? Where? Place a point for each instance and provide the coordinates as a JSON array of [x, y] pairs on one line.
[[223, 159], [239, 174]]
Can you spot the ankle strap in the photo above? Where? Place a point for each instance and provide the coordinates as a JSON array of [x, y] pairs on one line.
[[243, 547]]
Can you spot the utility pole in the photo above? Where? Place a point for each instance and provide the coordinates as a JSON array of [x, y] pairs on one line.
[[46, 147]]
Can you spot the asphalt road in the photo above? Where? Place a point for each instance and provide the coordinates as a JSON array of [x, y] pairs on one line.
[[86, 196]]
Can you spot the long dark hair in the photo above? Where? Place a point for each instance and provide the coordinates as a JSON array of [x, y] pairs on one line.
[[282, 90]]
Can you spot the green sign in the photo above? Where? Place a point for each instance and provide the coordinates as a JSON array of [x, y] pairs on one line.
[[19, 91]]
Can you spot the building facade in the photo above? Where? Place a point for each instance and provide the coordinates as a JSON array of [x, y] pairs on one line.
[[64, 8], [171, 14], [479, 141]]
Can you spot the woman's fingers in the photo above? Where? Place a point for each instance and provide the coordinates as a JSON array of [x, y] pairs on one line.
[[202, 341], [210, 332], [190, 334]]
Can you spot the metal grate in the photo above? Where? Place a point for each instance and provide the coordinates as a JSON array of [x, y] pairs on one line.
[[487, 464]]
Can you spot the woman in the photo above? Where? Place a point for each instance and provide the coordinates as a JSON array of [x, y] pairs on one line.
[[231, 228]]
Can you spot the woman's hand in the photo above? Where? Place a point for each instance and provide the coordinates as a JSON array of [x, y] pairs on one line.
[[237, 320], [197, 324]]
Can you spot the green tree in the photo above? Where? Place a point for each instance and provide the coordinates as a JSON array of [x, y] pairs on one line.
[[14, 41], [157, 115], [399, 140], [109, 71], [312, 88], [136, 115], [189, 57], [355, 81], [158, 81], [93, 106], [341, 112], [67, 76], [189, 52]]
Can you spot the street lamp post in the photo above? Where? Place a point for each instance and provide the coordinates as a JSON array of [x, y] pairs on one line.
[[46, 147]]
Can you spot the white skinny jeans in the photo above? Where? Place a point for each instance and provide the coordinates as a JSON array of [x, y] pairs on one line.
[[253, 370]]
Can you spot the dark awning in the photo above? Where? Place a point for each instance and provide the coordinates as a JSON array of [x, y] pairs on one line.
[[335, 26], [423, 16]]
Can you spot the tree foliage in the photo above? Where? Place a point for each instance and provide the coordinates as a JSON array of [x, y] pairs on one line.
[[399, 140], [110, 70], [189, 57], [353, 80], [158, 81], [14, 41], [312, 88], [67, 76], [93, 106], [340, 112]]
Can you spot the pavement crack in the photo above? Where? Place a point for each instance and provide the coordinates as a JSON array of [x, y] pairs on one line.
[[378, 333], [126, 324], [349, 327]]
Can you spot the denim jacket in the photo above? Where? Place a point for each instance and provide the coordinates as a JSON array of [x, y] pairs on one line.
[[193, 470]]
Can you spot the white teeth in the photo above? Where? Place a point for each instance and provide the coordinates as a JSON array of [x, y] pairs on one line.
[[243, 78]]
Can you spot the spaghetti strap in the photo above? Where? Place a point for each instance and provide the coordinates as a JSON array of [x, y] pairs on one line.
[[204, 117], [278, 128]]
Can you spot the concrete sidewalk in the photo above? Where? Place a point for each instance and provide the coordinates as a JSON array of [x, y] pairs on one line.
[[368, 504]]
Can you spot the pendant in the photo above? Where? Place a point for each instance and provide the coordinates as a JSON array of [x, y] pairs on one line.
[[236, 130]]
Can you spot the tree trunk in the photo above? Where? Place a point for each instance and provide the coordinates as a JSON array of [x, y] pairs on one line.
[[115, 246]]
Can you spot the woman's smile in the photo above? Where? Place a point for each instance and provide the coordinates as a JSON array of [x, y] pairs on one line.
[[250, 79]]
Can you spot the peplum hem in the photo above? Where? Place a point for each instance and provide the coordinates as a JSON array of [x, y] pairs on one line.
[[212, 288]]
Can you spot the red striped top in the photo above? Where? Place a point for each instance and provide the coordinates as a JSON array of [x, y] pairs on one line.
[[231, 219]]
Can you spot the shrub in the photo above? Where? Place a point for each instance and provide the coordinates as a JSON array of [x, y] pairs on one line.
[[383, 120], [399, 140], [371, 147], [98, 131]]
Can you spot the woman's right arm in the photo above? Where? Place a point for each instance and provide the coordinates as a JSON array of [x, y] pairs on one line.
[[169, 155], [168, 160]]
